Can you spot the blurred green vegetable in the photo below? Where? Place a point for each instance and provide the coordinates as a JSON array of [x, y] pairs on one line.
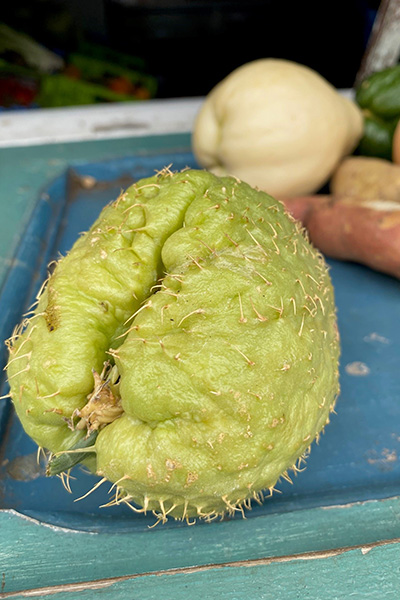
[[32, 53], [379, 98], [32, 75]]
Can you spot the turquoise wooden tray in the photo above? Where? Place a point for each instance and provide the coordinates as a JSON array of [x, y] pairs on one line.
[[346, 499]]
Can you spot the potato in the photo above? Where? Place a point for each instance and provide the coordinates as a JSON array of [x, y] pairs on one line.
[[368, 178]]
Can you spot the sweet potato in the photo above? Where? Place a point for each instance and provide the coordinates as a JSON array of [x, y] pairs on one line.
[[352, 229], [367, 178]]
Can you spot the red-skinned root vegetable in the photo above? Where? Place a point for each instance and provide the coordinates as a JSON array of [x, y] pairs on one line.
[[352, 229]]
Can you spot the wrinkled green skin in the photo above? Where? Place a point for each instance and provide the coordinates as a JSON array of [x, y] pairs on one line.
[[380, 93], [377, 139], [228, 372], [379, 97]]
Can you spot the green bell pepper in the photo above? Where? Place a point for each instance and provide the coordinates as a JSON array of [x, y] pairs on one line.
[[379, 98]]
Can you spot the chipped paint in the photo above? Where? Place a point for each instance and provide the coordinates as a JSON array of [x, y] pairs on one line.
[[357, 368]]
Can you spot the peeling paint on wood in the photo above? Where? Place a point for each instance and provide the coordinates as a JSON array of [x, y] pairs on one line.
[[28, 547], [317, 576]]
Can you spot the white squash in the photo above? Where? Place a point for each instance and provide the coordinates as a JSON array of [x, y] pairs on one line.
[[276, 125]]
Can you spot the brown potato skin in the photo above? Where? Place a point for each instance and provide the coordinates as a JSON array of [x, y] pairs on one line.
[[352, 229], [368, 178]]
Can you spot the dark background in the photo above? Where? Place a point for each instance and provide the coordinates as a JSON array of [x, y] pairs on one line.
[[190, 45]]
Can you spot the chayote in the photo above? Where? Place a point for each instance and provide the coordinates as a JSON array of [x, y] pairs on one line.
[[191, 332]]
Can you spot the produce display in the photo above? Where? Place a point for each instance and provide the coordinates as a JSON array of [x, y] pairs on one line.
[[32, 76], [333, 162], [277, 125], [185, 349]]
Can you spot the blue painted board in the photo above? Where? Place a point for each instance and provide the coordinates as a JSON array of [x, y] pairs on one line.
[[360, 574], [357, 458], [299, 558]]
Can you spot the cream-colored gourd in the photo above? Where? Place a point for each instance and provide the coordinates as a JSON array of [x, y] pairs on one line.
[[277, 125]]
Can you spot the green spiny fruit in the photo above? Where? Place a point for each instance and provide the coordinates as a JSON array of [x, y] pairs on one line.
[[189, 341]]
